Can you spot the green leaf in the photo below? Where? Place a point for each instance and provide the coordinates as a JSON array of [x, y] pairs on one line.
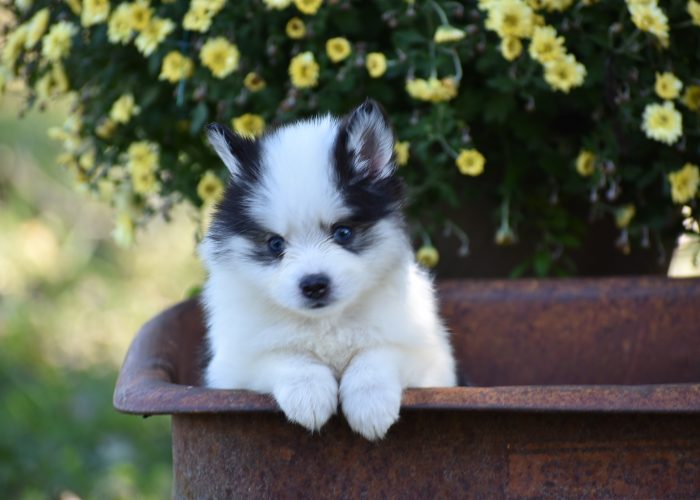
[[199, 117]]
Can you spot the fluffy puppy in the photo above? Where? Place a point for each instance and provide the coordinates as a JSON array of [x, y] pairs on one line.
[[313, 295]]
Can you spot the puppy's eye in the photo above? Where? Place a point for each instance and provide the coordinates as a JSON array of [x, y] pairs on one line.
[[342, 235], [276, 245]]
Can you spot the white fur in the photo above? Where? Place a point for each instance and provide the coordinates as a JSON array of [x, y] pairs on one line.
[[381, 333], [218, 142]]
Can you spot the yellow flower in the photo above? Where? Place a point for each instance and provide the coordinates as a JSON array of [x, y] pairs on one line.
[[212, 6], [338, 49], [295, 28], [87, 159], [69, 134], [557, 5], [210, 188], [144, 182], [53, 83], [651, 19], [142, 156], [249, 125], [220, 56], [691, 97], [277, 4], [75, 6], [254, 82], [36, 28], [94, 12], [57, 42], [376, 64], [510, 18], [564, 73], [470, 162], [585, 163], [105, 128], [176, 67], [14, 45], [123, 109], [140, 13], [303, 70], [693, 9], [684, 183], [432, 90], [418, 89], [446, 33], [123, 233], [401, 152], [198, 17], [119, 26], [624, 215], [309, 7], [545, 45], [662, 122], [427, 256], [511, 47], [667, 86], [153, 34]]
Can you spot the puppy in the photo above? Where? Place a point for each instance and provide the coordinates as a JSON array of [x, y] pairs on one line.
[[313, 295]]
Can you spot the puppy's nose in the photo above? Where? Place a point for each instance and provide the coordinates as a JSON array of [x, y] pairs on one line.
[[315, 286]]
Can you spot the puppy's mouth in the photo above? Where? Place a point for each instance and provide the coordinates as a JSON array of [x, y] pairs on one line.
[[318, 304]]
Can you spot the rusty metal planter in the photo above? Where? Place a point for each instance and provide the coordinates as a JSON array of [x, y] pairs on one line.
[[582, 388]]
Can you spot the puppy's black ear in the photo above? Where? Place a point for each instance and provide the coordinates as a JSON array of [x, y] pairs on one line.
[[239, 154], [369, 141]]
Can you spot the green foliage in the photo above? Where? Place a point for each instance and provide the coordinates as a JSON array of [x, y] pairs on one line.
[[529, 129], [59, 432], [67, 313]]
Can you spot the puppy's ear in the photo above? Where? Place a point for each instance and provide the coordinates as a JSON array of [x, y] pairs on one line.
[[239, 154], [369, 141]]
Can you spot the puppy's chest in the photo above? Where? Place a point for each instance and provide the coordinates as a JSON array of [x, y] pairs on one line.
[[336, 346]]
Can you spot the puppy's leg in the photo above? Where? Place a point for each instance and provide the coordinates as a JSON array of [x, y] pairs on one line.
[[306, 390], [370, 391]]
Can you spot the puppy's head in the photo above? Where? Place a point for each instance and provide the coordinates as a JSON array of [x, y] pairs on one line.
[[311, 217]]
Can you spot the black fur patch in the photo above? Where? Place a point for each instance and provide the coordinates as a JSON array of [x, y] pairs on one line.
[[370, 198], [245, 150], [232, 216]]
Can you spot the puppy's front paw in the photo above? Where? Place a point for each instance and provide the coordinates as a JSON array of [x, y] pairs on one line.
[[370, 408], [309, 398]]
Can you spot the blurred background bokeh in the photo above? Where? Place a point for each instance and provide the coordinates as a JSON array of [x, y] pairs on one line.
[[70, 302]]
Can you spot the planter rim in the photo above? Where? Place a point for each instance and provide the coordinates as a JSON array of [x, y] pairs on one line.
[[173, 399]]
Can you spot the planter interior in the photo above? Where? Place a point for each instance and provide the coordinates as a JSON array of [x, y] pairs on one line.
[[565, 373]]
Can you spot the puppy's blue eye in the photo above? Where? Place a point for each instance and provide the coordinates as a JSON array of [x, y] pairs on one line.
[[276, 245], [342, 235]]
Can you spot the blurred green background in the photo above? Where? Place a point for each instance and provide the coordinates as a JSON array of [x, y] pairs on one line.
[[70, 303]]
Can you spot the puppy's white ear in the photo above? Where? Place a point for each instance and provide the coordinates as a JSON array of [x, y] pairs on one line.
[[239, 154], [370, 141]]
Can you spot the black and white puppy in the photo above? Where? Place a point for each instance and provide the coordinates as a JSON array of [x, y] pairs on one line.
[[313, 294]]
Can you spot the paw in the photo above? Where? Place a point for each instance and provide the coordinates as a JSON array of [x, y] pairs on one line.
[[310, 398], [370, 409]]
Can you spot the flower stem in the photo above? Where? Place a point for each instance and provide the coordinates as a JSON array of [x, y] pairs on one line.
[[441, 13]]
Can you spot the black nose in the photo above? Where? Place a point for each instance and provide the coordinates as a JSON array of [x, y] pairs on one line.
[[315, 286]]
